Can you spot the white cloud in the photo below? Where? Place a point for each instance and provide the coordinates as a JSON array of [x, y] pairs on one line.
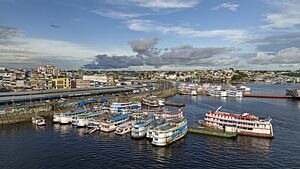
[[20, 51], [158, 4], [46, 47], [284, 56], [229, 6], [288, 17], [117, 14], [236, 35]]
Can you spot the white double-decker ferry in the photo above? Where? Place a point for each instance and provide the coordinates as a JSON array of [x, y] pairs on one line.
[[169, 132], [139, 129], [82, 120], [154, 124], [124, 107], [67, 118], [125, 128], [153, 101], [243, 124], [112, 123]]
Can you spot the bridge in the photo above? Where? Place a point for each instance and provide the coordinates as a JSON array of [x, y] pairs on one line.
[[17, 97]]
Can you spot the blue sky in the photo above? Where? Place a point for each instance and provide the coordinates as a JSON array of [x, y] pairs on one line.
[[145, 34]]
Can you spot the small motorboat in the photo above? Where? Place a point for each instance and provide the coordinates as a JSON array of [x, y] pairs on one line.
[[39, 121]]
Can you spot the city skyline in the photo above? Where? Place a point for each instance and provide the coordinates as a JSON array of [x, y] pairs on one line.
[[147, 35]]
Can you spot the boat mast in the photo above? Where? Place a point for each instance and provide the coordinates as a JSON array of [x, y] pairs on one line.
[[218, 109]]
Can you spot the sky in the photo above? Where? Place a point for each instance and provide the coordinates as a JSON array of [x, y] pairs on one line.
[[151, 34]]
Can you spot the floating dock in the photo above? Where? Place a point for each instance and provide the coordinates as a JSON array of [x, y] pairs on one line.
[[268, 96], [205, 131], [174, 104]]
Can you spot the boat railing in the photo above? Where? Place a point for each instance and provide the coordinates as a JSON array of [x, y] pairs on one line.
[[240, 120]]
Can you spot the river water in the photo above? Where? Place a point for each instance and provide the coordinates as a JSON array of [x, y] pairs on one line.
[[53, 146]]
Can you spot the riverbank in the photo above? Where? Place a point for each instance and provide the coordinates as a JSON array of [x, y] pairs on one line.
[[25, 112]]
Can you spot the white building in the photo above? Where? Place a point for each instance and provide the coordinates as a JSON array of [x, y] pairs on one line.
[[8, 79], [96, 78], [48, 70]]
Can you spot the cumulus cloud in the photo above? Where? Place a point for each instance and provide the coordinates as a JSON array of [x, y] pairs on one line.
[[148, 55], [229, 6], [288, 17], [276, 43], [144, 47], [114, 62], [284, 56], [236, 35], [158, 4]]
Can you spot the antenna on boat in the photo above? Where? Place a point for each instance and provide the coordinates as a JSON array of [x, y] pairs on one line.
[[218, 109]]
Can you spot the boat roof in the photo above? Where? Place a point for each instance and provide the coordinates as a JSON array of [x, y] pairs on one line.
[[76, 111], [116, 118], [95, 113], [169, 124]]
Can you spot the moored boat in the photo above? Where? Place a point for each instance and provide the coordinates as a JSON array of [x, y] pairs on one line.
[[124, 107], [188, 89], [82, 120], [56, 117], [39, 120], [125, 128], [153, 101], [96, 122], [154, 124], [245, 88], [169, 132], [243, 124], [67, 118], [140, 127], [112, 123]]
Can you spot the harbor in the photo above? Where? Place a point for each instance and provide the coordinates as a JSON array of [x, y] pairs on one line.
[[150, 84], [97, 143]]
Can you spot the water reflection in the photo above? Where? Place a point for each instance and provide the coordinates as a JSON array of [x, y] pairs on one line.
[[140, 144], [64, 129], [223, 99], [164, 154], [262, 145], [15, 128], [39, 129], [194, 98], [81, 131], [56, 127], [240, 144]]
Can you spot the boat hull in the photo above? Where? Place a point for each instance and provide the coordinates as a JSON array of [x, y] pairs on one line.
[[66, 120], [256, 134], [206, 131], [56, 119], [168, 141]]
